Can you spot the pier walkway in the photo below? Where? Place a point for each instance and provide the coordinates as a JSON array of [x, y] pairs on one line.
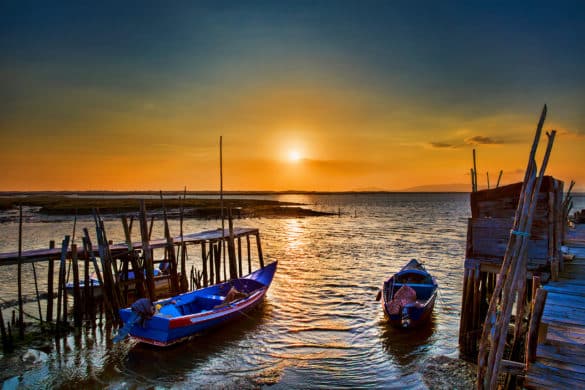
[[560, 354]]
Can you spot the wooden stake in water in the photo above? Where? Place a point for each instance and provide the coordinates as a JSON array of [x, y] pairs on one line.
[[499, 178], [20, 304], [50, 278], [170, 248]]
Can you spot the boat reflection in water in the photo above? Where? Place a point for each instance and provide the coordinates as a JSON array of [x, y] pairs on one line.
[[406, 345]]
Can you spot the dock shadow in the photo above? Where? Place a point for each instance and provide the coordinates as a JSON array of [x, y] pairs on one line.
[[406, 345]]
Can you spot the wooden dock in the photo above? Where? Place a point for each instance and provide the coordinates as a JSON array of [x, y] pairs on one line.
[[560, 353], [45, 254]]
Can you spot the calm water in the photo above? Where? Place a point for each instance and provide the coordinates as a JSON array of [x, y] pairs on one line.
[[320, 325]]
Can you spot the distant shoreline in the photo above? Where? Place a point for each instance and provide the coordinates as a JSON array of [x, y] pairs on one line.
[[215, 193], [62, 203]]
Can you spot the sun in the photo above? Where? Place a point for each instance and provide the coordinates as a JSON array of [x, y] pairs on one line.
[[294, 155]]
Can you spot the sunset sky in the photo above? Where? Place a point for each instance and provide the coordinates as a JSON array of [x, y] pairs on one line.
[[308, 95]]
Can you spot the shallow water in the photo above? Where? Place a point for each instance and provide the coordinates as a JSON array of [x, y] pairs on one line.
[[320, 325]]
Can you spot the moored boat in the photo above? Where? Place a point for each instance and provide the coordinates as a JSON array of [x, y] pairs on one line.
[[409, 296], [172, 320]]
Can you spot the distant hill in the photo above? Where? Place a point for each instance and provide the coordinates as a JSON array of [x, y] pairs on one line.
[[440, 188]]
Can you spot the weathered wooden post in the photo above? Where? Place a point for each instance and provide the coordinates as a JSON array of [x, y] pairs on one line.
[[241, 272], [136, 267], [259, 247], [50, 277], [183, 247], [146, 252], [211, 262], [204, 263], [249, 253], [77, 313], [170, 248], [111, 285], [218, 261], [6, 347], [61, 283], [87, 296], [532, 337], [231, 248], [20, 303]]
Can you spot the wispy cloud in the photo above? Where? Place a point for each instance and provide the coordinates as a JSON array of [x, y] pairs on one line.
[[482, 140], [442, 145]]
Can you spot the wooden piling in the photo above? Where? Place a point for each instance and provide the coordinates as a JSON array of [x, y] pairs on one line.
[[240, 257], [259, 247], [5, 343], [136, 267], [231, 248], [19, 277], [499, 178], [532, 337], [248, 250], [111, 285], [211, 262], [170, 249], [50, 277], [60, 290], [204, 264], [183, 247], [77, 308], [217, 258], [146, 252], [87, 300]]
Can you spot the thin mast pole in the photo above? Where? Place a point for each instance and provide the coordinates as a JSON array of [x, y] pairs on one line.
[[221, 203]]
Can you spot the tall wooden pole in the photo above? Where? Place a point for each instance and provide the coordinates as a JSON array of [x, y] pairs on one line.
[[474, 172], [221, 204], [20, 305], [148, 266], [170, 251], [499, 178], [50, 277]]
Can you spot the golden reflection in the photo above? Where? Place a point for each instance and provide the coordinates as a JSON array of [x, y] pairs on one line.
[[294, 233]]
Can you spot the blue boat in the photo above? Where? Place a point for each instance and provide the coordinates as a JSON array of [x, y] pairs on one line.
[[409, 296], [169, 321]]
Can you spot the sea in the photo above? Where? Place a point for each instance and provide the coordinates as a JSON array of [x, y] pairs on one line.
[[320, 325]]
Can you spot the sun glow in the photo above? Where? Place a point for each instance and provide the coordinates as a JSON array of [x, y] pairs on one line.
[[294, 155]]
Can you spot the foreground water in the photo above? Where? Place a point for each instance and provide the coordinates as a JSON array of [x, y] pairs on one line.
[[320, 325]]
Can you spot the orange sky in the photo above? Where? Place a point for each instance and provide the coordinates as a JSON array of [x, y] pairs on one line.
[[97, 105]]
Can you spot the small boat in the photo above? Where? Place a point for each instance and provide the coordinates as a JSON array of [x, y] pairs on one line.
[[169, 321], [409, 296], [162, 283]]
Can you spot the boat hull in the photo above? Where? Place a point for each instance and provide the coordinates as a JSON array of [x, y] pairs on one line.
[[176, 322], [410, 312]]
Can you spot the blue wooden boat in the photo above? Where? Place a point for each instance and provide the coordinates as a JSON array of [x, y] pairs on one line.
[[169, 321], [409, 296]]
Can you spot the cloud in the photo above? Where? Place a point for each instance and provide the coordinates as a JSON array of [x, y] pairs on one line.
[[442, 145], [481, 140]]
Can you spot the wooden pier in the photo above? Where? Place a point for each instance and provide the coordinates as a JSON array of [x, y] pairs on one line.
[[492, 218], [108, 276], [559, 360]]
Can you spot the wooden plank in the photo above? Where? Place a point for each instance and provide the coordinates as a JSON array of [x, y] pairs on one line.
[[568, 283], [36, 255], [572, 290], [568, 357], [554, 318], [561, 373], [557, 299]]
